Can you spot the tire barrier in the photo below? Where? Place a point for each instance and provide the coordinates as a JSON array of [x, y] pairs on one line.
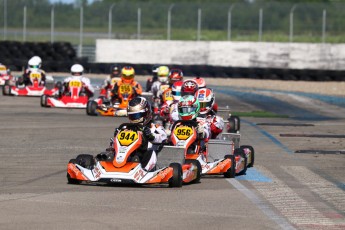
[[60, 56]]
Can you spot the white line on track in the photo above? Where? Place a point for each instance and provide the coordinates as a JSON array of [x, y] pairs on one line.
[[325, 189], [285, 225], [291, 205]]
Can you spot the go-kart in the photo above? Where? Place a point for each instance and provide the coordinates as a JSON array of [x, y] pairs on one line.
[[35, 89], [5, 75], [104, 107], [107, 92], [123, 162], [197, 151], [75, 97]]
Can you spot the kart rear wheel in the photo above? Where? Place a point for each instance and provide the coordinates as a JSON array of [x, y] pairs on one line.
[[198, 165], [72, 180], [44, 100], [91, 108], [240, 152], [176, 180], [85, 160], [232, 170], [252, 153], [6, 90], [234, 124]]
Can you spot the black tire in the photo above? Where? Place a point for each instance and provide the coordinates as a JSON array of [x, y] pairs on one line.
[[198, 165], [59, 85], [85, 161], [44, 99], [72, 180], [252, 154], [6, 90], [234, 123], [240, 152], [91, 108], [176, 180], [232, 170]]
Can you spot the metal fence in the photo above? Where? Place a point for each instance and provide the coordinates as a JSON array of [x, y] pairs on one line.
[[82, 25]]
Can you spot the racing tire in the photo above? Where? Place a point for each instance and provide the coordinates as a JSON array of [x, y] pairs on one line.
[[198, 165], [85, 161], [240, 152], [252, 154], [91, 108], [72, 180], [232, 170], [59, 85], [6, 90], [234, 123], [176, 179], [44, 100]]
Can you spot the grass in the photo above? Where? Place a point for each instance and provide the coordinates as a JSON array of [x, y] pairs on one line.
[[262, 114]]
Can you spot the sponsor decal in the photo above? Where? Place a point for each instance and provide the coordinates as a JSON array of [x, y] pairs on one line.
[[114, 180], [139, 175], [96, 173]]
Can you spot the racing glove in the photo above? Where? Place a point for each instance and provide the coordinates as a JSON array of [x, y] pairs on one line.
[[148, 134]]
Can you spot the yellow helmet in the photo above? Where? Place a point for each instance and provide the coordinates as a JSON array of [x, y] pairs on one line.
[[163, 73], [127, 73]]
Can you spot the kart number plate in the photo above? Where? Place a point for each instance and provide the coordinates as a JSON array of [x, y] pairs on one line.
[[35, 76], [76, 84], [127, 137], [167, 95], [125, 89], [183, 132]]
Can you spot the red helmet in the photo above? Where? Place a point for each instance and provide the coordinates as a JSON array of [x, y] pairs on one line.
[[175, 75], [189, 87], [206, 99], [201, 82]]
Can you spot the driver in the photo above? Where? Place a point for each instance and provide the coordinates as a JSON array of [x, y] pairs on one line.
[[127, 77], [139, 112], [77, 71], [34, 65], [109, 81]]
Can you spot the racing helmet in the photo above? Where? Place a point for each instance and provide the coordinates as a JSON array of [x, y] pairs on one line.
[[163, 73], [115, 71], [201, 82], [77, 70], [3, 69], [127, 74], [188, 107], [206, 99], [35, 62], [175, 75], [176, 90], [189, 87], [217, 125], [139, 110]]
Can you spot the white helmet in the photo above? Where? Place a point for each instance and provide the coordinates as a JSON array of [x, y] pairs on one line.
[[35, 62], [77, 70]]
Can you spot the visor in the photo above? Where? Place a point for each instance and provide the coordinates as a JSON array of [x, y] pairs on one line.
[[128, 77], [136, 116], [34, 66], [204, 105], [187, 110], [176, 93]]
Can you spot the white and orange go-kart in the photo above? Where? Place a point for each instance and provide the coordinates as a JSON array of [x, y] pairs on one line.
[[35, 89], [76, 97], [122, 164], [227, 159]]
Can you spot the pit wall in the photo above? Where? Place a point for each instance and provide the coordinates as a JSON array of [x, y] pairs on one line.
[[296, 56]]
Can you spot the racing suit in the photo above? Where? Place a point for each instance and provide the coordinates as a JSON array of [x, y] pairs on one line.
[[155, 135], [26, 77], [158, 89], [135, 85], [86, 84], [215, 122]]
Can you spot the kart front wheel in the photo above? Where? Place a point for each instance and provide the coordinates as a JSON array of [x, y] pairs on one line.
[[234, 124], [199, 169], [240, 152], [6, 90], [91, 108], [176, 179], [230, 173], [72, 180], [44, 100]]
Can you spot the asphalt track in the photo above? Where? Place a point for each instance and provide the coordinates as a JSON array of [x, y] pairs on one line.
[[284, 190]]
